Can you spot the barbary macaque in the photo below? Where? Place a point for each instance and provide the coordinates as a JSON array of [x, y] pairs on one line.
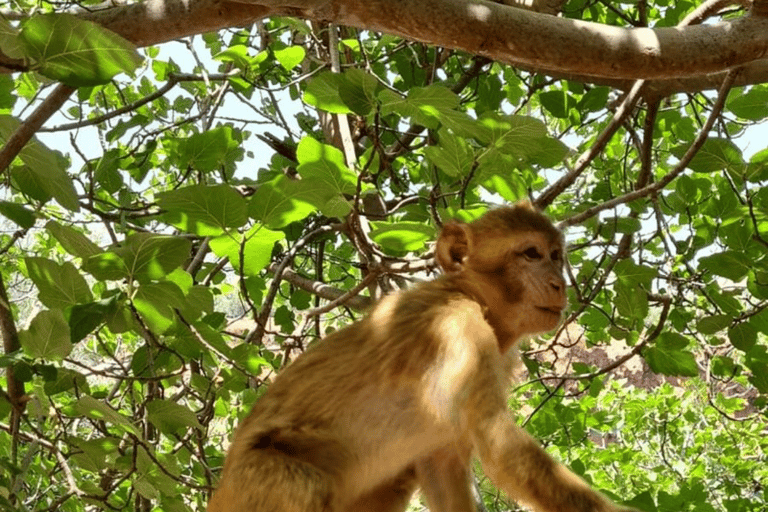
[[404, 397]]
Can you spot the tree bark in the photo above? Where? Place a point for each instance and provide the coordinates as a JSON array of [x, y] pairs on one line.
[[515, 36]]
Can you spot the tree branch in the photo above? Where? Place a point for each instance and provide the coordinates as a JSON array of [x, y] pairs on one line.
[[530, 40], [717, 109], [28, 128]]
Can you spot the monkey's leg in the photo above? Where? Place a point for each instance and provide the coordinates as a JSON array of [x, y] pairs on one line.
[[269, 481], [445, 480], [391, 496]]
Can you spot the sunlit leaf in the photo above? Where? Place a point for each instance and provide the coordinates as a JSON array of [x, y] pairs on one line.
[[402, 236], [280, 202], [76, 51], [290, 57], [204, 210]]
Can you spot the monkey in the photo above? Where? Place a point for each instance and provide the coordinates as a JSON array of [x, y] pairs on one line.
[[404, 397]]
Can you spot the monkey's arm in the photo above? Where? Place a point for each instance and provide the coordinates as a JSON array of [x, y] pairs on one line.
[[514, 460], [444, 478]]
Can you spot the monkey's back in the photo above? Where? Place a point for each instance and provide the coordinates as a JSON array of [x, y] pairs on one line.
[[320, 412]]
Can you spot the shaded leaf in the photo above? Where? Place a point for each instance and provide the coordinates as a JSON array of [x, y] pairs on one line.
[[170, 417], [73, 241], [716, 154], [47, 336], [713, 324], [729, 264], [142, 257], [209, 150], [668, 356], [18, 214], [452, 155], [91, 408], [60, 286], [42, 175], [752, 105]]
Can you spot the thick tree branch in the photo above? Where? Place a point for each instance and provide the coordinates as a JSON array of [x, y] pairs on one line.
[[515, 36]]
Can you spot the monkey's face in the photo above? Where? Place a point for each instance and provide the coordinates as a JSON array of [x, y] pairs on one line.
[[514, 271], [523, 281]]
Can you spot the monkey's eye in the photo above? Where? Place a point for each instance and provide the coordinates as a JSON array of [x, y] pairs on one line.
[[532, 253], [555, 256]]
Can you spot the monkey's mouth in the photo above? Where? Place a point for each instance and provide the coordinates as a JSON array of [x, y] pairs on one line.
[[550, 309]]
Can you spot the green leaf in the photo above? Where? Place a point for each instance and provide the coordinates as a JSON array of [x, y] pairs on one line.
[[42, 175], [238, 55], [208, 151], [280, 202], [84, 318], [729, 264], [290, 57], [713, 324], [75, 51], [250, 357], [717, 154], [204, 210], [595, 99], [64, 381], [743, 336], [524, 138], [669, 357], [60, 286], [323, 92], [257, 251], [142, 257], [325, 178], [630, 273], [73, 241], [402, 236], [452, 155], [558, 103], [156, 302], [170, 417], [18, 214], [9, 40], [91, 408], [426, 105], [631, 300], [752, 105], [96, 454], [358, 90], [47, 337]]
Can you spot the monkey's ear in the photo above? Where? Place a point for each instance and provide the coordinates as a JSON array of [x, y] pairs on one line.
[[453, 247], [526, 204]]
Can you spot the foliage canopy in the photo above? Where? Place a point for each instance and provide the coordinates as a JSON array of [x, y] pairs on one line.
[[198, 213]]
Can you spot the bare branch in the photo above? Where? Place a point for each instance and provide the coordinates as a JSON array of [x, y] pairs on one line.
[[27, 129]]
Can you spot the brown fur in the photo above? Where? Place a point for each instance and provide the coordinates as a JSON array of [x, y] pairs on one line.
[[405, 396]]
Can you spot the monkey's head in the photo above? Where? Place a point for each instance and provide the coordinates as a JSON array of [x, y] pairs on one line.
[[511, 261]]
